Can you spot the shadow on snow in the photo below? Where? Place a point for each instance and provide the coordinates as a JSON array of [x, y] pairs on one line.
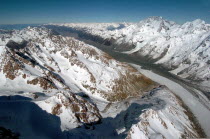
[[21, 115]]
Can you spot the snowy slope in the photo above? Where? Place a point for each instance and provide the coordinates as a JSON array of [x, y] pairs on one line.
[[158, 113], [40, 71], [42, 61], [183, 49], [169, 122], [37, 115], [72, 110]]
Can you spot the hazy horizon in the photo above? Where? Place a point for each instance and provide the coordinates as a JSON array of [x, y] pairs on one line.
[[35, 24]]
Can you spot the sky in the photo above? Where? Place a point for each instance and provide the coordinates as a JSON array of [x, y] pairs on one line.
[[62, 11]]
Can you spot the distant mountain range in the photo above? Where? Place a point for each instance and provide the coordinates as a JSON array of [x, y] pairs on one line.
[[17, 26]]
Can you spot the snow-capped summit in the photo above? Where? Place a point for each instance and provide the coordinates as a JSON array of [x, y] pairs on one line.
[[156, 24]]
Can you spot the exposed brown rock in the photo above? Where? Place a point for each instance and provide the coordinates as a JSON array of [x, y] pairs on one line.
[[44, 83], [84, 111], [56, 109], [11, 69], [130, 85], [24, 76]]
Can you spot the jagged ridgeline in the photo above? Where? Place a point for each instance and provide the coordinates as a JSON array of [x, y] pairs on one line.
[[39, 59]]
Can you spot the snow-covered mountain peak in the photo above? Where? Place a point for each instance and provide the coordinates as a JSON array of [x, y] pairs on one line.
[[198, 21], [156, 24], [196, 26], [156, 19]]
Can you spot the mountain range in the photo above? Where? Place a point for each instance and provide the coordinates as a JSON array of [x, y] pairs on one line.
[[54, 84]]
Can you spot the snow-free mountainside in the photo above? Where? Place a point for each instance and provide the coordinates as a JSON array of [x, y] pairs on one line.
[[182, 49], [54, 86]]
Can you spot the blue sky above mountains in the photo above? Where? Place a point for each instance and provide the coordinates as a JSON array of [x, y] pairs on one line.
[[45, 11]]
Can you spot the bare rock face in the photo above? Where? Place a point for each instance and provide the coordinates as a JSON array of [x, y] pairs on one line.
[[72, 109], [43, 61]]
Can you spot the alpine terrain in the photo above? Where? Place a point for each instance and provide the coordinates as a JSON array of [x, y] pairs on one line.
[[144, 80], [181, 49]]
